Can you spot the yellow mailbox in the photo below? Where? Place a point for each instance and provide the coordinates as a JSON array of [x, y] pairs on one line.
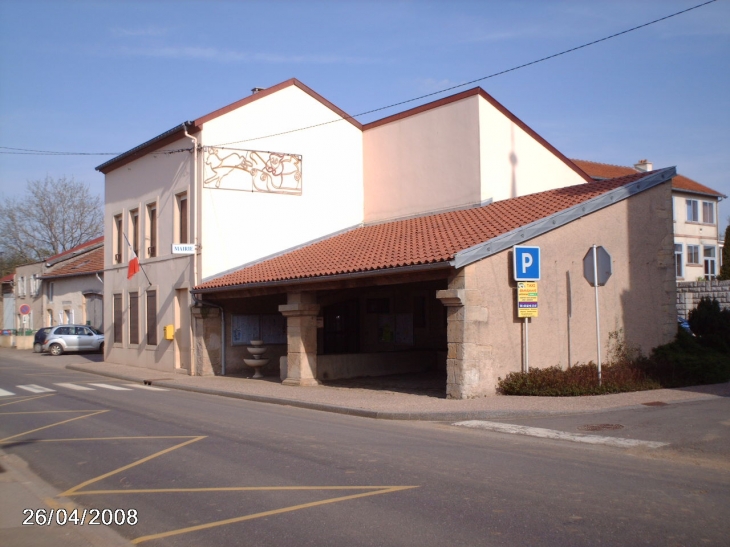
[[169, 332]]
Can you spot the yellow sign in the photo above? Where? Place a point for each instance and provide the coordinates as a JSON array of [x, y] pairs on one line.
[[527, 299]]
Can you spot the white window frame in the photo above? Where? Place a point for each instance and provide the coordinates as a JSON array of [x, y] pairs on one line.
[[708, 212], [693, 210], [693, 250], [709, 262], [678, 260]]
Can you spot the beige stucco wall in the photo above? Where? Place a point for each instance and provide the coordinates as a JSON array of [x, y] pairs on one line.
[[68, 295], [156, 177], [639, 297], [424, 162], [241, 226], [512, 162], [34, 300]]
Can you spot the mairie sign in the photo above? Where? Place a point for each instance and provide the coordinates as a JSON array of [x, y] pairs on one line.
[[526, 263], [183, 249]]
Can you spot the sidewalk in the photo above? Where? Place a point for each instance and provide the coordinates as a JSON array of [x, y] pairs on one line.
[[22, 489], [391, 405]]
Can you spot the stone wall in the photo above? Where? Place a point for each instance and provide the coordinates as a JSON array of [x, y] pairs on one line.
[[689, 294]]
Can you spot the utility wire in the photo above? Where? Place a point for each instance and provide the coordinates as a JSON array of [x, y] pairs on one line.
[[493, 75]]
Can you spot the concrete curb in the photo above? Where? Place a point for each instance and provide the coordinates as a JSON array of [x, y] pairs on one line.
[[429, 416]]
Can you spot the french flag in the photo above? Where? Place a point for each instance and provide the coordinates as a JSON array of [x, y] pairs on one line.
[[133, 260], [133, 264]]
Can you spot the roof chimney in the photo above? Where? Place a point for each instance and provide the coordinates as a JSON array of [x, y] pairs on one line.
[[644, 166], [256, 90]]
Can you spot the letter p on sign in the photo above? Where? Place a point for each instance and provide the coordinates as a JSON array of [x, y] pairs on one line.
[[526, 263]]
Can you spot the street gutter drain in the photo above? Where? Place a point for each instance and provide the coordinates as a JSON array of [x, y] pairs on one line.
[[599, 427], [655, 403]]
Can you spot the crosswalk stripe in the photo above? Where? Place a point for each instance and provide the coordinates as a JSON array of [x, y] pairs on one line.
[[4, 393], [109, 386], [34, 388], [75, 386], [151, 388]]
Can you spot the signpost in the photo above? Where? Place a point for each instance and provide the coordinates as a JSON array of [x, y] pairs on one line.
[[526, 271], [597, 269]]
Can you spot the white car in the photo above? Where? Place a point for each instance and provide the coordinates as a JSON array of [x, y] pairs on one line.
[[65, 338]]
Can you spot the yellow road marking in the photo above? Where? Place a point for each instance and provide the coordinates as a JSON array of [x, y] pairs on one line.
[[54, 504], [71, 491], [2, 441], [267, 514], [115, 438], [27, 399], [43, 412], [231, 489]]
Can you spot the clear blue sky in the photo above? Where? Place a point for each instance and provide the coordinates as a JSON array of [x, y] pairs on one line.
[[106, 76]]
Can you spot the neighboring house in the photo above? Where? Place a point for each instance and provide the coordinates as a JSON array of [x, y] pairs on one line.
[[74, 289], [8, 302], [239, 184], [697, 246], [65, 288]]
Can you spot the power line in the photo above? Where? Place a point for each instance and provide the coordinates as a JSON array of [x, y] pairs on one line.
[[478, 79], [25, 151]]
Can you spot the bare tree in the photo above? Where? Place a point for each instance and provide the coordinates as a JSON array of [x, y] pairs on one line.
[[54, 216]]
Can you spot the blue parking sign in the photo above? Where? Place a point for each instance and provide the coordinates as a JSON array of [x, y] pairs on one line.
[[526, 263]]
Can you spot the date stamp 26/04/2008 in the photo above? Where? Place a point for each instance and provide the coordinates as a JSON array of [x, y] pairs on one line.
[[80, 517]]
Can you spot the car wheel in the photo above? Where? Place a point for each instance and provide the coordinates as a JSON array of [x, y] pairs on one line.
[[101, 348], [37, 348], [56, 349]]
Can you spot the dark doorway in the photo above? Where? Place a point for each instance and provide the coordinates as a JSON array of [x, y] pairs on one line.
[[342, 328]]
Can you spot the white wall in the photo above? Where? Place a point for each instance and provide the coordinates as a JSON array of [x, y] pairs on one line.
[[242, 226], [424, 162], [513, 162]]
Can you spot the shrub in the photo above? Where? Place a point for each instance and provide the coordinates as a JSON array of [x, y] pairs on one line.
[[711, 324], [686, 361]]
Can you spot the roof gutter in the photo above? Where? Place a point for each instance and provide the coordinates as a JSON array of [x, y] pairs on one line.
[[324, 278], [561, 218]]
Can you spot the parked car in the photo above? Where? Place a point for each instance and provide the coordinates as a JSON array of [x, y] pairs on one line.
[[65, 338], [40, 337]]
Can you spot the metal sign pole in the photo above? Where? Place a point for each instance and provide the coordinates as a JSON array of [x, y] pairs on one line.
[[598, 327], [527, 344]]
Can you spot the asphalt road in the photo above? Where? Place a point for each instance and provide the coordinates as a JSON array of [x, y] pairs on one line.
[[207, 470]]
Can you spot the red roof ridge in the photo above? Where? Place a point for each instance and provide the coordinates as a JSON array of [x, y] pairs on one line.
[[78, 247]]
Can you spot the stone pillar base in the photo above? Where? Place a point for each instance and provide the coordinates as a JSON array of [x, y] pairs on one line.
[[302, 382]]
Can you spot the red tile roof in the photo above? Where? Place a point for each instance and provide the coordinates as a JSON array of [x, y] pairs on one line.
[[8, 278], [76, 249], [608, 171], [87, 263], [430, 239]]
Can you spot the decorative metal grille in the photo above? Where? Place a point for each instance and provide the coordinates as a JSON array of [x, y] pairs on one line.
[[252, 171]]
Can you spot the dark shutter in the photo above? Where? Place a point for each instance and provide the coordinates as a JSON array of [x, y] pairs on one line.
[[184, 220], [118, 319], [133, 318], [152, 318]]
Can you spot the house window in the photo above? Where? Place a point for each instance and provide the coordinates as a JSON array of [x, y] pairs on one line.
[[152, 230], [118, 319], [49, 292], [151, 318], [134, 318], [49, 318], [21, 286], [117, 237], [693, 254], [709, 256], [182, 218], [693, 210], [708, 212], [678, 263], [134, 220]]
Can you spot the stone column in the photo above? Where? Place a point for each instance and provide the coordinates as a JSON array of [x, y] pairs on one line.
[[301, 312], [469, 371], [207, 348]]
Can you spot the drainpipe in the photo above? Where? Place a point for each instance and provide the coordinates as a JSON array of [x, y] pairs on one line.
[[223, 329], [194, 222]]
